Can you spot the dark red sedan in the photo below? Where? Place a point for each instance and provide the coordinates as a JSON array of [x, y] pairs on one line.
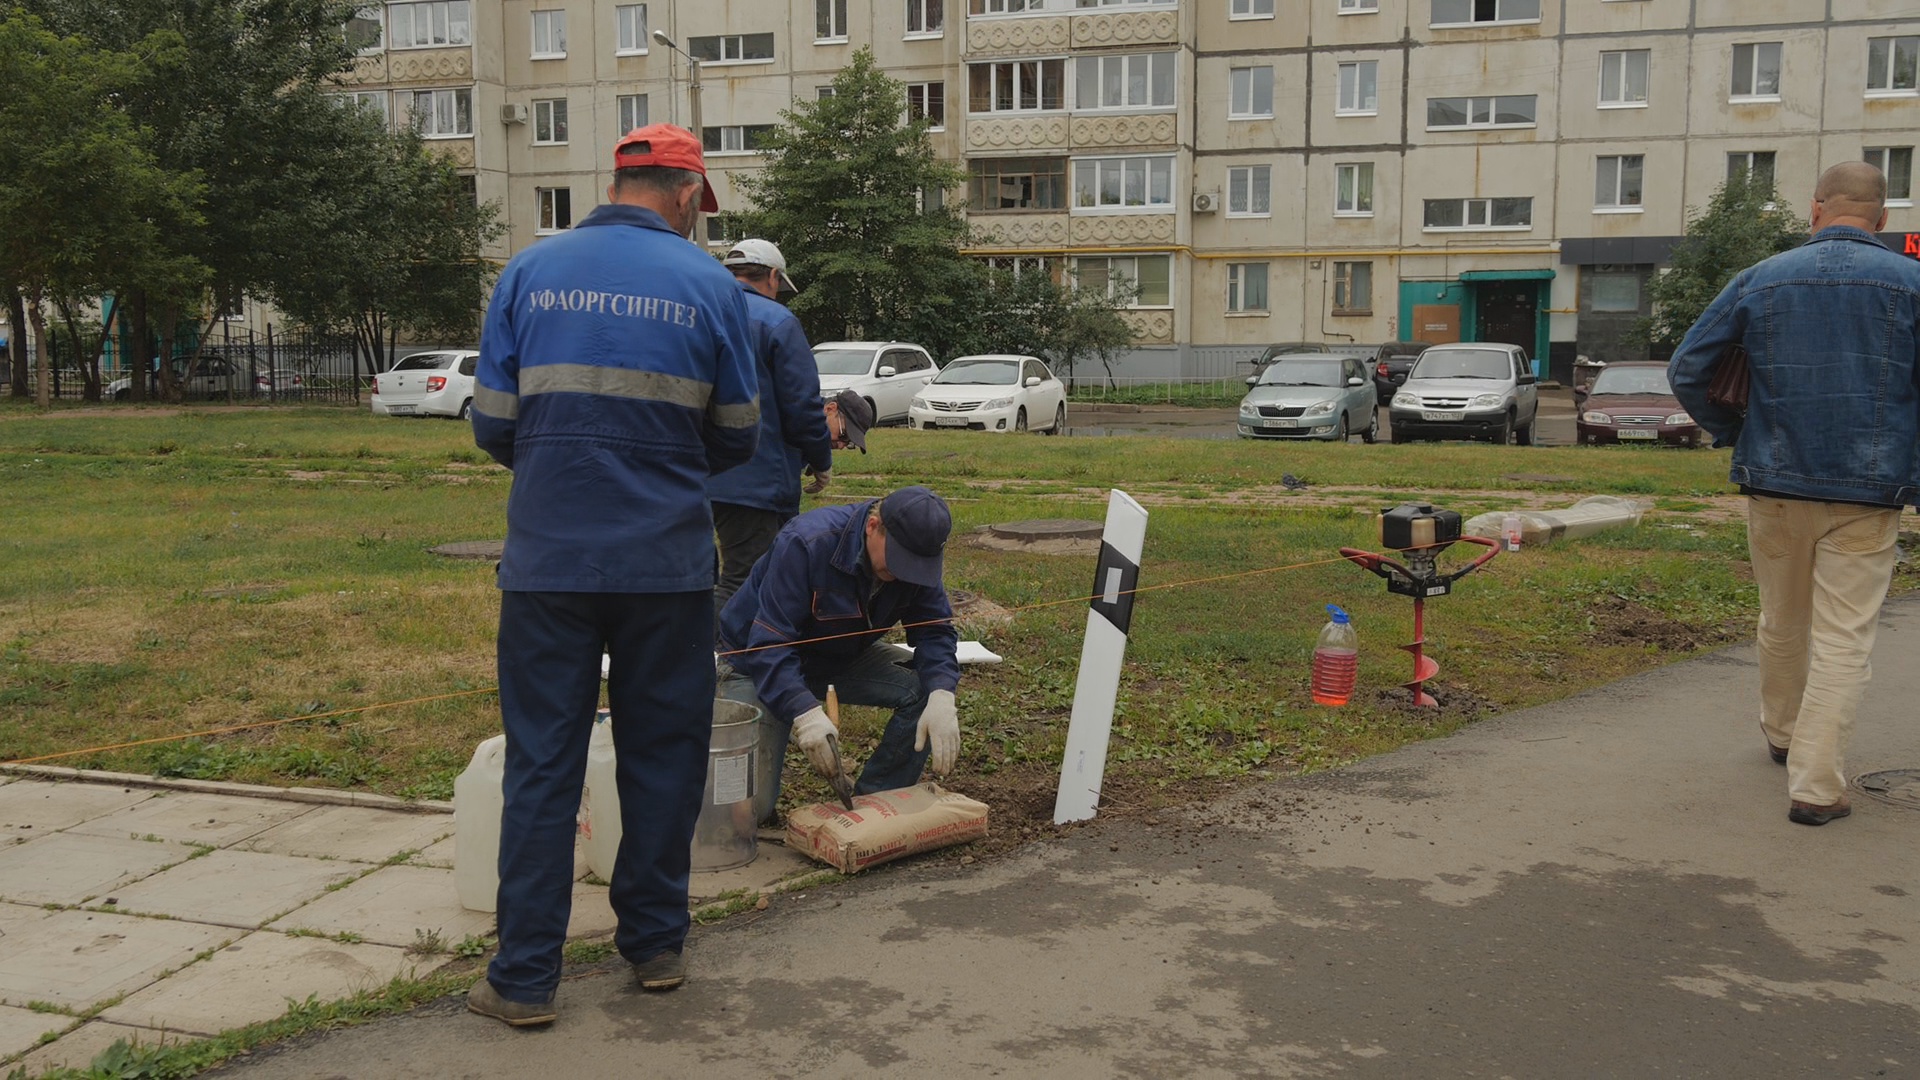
[[1633, 403]]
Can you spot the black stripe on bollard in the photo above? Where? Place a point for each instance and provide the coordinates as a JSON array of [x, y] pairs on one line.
[[1114, 580]]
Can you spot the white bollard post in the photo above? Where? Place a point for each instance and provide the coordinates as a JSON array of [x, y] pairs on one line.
[[1108, 617]]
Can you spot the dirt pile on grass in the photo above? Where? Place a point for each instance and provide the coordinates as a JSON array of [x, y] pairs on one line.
[[1619, 621]]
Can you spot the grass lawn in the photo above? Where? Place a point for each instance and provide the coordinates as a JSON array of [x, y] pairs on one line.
[[164, 571]]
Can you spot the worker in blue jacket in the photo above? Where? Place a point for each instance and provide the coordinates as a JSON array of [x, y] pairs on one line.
[[813, 613], [616, 372], [750, 503]]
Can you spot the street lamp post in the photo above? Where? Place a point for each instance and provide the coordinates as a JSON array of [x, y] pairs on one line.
[[693, 93]]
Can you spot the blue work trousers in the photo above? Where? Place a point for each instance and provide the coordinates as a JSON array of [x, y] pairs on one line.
[[880, 676], [660, 693]]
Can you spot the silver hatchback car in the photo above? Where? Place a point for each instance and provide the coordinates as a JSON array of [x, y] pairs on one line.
[[1468, 391], [1310, 396]]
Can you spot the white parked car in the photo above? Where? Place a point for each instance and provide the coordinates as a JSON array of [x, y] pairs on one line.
[[992, 393], [427, 384], [886, 373]]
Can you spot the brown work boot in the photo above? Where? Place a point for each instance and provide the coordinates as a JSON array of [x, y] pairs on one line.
[[1806, 813], [486, 1001]]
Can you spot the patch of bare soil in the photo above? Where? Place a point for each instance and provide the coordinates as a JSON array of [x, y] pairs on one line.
[[1453, 702], [1619, 621], [983, 537], [1021, 797]]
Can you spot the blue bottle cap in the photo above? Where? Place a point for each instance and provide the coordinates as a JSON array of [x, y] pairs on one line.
[[1339, 616]]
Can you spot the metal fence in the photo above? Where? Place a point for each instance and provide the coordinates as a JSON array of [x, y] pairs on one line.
[[238, 365]]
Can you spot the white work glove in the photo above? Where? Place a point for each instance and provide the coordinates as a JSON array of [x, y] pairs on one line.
[[819, 480], [810, 730], [940, 725]]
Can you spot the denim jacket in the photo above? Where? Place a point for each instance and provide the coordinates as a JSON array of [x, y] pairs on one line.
[[1831, 329]]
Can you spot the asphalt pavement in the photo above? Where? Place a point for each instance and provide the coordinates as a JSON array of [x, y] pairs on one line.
[[1554, 428], [1605, 886]]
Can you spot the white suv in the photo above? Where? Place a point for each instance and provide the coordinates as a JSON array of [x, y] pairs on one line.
[[887, 373], [1467, 391]]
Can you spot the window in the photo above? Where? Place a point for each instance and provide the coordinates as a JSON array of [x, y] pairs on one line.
[[1353, 288], [1479, 214], [1017, 86], [926, 18], [439, 114], [733, 138], [374, 101], [1123, 183], [556, 208], [1473, 12], [633, 111], [1126, 81], [1250, 191], [1756, 70], [929, 198], [1252, 93], [822, 93], [829, 20], [1353, 189], [1015, 266], [1617, 181], [630, 26], [1756, 163], [731, 48], [1359, 89], [1359, 7], [1480, 112], [928, 101], [1003, 7], [549, 35], [1623, 78], [366, 31], [1615, 289], [1246, 287], [1251, 9], [1892, 64], [1018, 183], [1148, 278], [550, 122], [423, 26], [1897, 163]]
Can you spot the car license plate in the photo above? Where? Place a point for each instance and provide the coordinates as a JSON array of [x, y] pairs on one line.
[[1431, 415], [1639, 434], [950, 421], [1279, 423], [402, 410]]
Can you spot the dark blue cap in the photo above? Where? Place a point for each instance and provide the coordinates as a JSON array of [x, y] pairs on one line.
[[917, 524]]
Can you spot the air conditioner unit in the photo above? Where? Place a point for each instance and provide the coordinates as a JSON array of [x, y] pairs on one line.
[[513, 114], [1206, 202]]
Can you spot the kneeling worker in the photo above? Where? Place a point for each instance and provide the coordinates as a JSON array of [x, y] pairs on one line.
[[835, 580]]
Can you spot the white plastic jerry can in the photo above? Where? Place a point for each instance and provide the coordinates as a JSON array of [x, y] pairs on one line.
[[478, 800], [600, 803]]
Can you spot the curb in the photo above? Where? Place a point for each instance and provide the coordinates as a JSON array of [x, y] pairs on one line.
[[321, 796]]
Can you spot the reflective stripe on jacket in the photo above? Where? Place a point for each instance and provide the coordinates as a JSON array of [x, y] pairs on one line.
[[793, 423]]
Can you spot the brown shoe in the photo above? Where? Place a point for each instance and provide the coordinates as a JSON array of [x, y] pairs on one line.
[[1806, 813], [486, 1001], [1779, 754]]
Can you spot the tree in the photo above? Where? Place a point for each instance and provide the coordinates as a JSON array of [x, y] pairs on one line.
[[1742, 224], [1031, 314]]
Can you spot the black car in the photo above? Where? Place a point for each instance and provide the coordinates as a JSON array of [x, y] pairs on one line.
[[1391, 362], [1285, 348]]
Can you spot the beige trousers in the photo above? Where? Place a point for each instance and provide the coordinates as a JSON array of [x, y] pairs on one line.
[[1823, 570]]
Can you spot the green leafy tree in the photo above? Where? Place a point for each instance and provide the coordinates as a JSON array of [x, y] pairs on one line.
[[1742, 224], [1032, 314]]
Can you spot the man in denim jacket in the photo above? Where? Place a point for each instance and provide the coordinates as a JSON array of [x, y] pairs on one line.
[[1829, 452]]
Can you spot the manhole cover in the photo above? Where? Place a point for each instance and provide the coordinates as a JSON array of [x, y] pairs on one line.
[[1047, 529], [1897, 787], [471, 549]]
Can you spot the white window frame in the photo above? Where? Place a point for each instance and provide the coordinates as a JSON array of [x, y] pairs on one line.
[[547, 210], [433, 110], [1485, 205], [835, 11], [1752, 159], [1880, 157], [1149, 62], [377, 15], [1887, 89], [1150, 164], [1256, 189], [1239, 277], [549, 34], [1624, 58], [454, 17], [1753, 70], [1355, 169], [923, 88], [1244, 92], [630, 39], [991, 8], [1358, 7], [1134, 277], [362, 99], [550, 115], [734, 134], [1341, 106], [1250, 9], [739, 44], [1492, 104], [1019, 66], [922, 9], [626, 106], [1343, 277], [1500, 16], [1619, 163]]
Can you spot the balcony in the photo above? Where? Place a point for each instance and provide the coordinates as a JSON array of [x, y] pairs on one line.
[[1006, 132], [1020, 229], [431, 65], [1117, 29], [1121, 230], [1102, 131], [1018, 36]]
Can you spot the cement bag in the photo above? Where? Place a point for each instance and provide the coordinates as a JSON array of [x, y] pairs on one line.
[[885, 826], [1584, 518]]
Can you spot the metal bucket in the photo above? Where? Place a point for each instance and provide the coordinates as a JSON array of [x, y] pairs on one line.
[[725, 836]]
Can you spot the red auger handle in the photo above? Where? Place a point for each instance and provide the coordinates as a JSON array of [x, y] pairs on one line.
[[1493, 548], [1378, 564]]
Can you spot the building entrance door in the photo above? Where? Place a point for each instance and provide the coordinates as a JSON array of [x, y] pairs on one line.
[[1509, 313]]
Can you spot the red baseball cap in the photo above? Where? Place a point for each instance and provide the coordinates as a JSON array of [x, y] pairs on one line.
[[666, 146]]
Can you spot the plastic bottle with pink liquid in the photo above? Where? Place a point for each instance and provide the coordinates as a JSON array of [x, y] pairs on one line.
[[1336, 659]]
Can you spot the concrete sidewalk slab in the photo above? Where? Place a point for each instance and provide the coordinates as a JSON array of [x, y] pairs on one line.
[[439, 853], [394, 905], [209, 820], [591, 914], [346, 832], [21, 1029], [257, 978], [30, 810], [81, 958], [72, 868], [235, 888], [772, 864], [77, 1048], [19, 919]]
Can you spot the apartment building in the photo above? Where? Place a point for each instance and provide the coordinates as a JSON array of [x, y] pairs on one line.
[[1258, 170]]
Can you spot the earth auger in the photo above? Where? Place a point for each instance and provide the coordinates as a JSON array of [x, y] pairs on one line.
[[1419, 533]]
